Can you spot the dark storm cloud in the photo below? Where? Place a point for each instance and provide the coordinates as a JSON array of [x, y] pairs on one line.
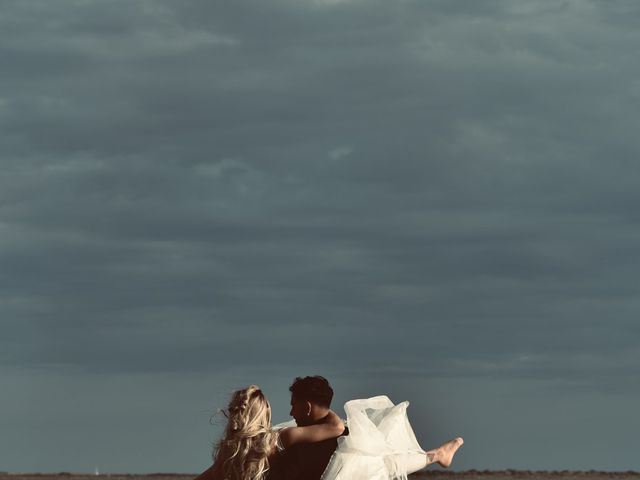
[[442, 189], [440, 165]]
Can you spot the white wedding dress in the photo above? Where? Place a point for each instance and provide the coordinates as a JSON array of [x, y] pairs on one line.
[[381, 444]]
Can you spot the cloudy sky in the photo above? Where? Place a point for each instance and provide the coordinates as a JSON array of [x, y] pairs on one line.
[[434, 200]]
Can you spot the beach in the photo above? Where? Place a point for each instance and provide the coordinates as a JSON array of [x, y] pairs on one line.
[[431, 474]]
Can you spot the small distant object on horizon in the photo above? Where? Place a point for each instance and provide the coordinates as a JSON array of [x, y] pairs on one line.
[[96, 471]]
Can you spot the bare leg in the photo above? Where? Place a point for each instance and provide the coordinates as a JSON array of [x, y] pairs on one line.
[[443, 455]]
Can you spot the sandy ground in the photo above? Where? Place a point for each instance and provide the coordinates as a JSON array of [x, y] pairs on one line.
[[431, 474]]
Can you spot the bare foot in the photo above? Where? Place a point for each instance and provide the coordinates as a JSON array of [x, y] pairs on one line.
[[444, 454]]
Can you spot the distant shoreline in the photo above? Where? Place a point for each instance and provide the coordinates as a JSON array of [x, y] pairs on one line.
[[429, 473]]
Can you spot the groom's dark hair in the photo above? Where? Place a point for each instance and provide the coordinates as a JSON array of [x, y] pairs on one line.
[[314, 389]]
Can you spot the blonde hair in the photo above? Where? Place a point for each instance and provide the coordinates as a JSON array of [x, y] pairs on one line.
[[248, 439]]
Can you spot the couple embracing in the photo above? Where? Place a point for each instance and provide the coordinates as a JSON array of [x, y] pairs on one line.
[[376, 444]]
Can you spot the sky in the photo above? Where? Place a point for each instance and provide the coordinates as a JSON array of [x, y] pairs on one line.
[[433, 200]]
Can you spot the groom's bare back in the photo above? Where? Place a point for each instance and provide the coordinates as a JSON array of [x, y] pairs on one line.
[[304, 461]]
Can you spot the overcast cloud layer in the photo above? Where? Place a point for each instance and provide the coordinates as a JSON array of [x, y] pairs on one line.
[[436, 200]]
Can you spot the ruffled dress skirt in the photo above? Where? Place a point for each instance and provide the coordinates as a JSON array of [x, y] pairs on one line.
[[381, 444]]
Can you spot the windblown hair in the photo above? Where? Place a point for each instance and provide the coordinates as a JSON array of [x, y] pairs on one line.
[[248, 439]]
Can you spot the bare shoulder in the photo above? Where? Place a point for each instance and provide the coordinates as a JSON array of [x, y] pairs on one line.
[[211, 473], [286, 436]]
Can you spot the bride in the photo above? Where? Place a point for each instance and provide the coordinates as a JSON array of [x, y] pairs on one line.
[[380, 444]]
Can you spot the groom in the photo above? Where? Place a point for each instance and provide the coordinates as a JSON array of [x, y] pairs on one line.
[[310, 405]]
